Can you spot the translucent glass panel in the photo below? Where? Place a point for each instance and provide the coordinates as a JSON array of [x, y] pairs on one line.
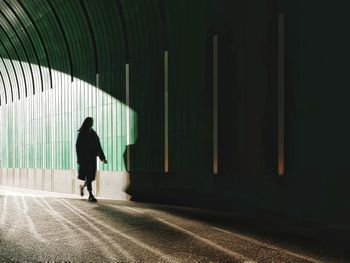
[[40, 131]]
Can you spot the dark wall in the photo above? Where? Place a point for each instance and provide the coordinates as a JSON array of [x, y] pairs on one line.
[[247, 107], [316, 85]]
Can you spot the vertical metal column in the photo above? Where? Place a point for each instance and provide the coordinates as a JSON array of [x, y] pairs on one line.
[[19, 135], [96, 118], [26, 114], [33, 138], [127, 98], [281, 96], [13, 137], [71, 132], [53, 101], [166, 113], [215, 105], [43, 122], [98, 178], [1, 139]]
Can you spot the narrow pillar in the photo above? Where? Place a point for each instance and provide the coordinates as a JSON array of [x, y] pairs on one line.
[[215, 105], [96, 118], [281, 95], [127, 98], [166, 113]]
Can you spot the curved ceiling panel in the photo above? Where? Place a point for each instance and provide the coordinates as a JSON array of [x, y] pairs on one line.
[[11, 51], [79, 38], [18, 24], [19, 48], [82, 38]]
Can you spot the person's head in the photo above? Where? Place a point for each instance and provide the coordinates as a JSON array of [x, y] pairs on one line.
[[87, 124]]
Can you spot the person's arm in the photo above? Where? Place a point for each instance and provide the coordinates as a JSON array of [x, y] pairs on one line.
[[100, 152], [79, 149]]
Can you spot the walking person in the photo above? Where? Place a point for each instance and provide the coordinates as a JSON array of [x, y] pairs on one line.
[[88, 147]]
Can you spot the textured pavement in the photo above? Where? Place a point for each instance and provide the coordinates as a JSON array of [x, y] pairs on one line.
[[42, 227]]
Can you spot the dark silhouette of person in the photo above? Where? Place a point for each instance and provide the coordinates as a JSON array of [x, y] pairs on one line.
[[88, 147]]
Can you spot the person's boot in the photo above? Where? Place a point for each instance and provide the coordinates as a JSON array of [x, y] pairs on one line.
[[92, 198], [82, 189]]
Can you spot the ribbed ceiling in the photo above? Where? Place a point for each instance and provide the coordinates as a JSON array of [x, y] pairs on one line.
[[78, 37]]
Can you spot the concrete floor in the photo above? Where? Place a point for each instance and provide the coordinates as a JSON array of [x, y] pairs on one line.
[[41, 227]]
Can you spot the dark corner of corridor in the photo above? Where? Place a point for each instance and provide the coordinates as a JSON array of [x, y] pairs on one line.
[[225, 105]]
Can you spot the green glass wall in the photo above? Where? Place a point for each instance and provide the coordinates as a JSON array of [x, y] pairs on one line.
[[40, 131]]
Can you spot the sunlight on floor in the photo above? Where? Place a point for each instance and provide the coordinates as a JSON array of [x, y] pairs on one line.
[[13, 191]]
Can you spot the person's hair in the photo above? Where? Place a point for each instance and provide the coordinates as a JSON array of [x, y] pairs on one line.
[[87, 125]]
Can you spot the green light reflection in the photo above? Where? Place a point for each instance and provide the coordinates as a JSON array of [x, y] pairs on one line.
[[40, 131]]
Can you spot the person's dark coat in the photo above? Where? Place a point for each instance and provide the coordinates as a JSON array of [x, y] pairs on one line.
[[88, 147]]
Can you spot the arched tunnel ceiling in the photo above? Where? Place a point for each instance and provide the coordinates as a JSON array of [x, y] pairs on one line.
[[77, 37]]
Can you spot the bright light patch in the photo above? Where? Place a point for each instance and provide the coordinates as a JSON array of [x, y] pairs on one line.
[[39, 131]]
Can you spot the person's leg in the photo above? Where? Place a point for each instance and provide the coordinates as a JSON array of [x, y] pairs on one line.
[[89, 188], [82, 189], [89, 185], [82, 177]]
